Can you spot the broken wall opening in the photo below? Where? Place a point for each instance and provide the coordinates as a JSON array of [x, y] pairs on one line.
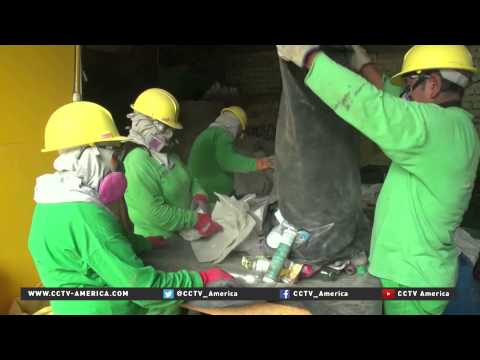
[[117, 74], [248, 77]]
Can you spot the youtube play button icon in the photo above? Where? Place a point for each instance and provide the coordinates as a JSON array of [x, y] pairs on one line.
[[389, 294]]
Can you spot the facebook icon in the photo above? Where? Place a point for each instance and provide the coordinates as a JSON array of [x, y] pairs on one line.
[[284, 294]]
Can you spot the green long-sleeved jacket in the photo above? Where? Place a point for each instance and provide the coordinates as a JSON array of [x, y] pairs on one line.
[[159, 200], [435, 153], [213, 161], [81, 245]]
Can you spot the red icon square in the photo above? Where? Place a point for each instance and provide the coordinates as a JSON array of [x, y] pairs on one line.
[[389, 294]]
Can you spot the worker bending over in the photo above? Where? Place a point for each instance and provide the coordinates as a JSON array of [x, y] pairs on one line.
[[162, 197], [213, 159]]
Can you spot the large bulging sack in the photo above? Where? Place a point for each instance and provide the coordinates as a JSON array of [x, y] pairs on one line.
[[317, 170]]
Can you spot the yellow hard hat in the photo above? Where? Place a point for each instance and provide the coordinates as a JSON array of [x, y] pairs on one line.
[[78, 124], [239, 113], [431, 57], [160, 105]]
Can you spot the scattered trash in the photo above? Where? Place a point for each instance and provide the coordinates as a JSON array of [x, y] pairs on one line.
[[260, 264], [357, 265], [288, 237], [326, 273], [237, 224], [290, 274], [256, 263], [303, 237], [350, 270], [274, 237], [339, 265], [309, 271], [248, 279]]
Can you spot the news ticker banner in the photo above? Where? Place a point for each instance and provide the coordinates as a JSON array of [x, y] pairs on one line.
[[266, 294]]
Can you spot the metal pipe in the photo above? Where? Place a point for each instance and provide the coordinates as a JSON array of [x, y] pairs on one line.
[[77, 82]]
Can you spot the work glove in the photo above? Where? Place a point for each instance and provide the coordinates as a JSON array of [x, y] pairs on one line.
[[206, 226], [359, 58], [200, 204], [266, 163], [297, 54], [214, 276]]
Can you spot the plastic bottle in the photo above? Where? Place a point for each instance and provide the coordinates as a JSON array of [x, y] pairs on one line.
[[281, 254], [326, 273], [256, 263]]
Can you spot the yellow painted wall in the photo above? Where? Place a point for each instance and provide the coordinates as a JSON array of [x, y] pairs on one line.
[[34, 81]]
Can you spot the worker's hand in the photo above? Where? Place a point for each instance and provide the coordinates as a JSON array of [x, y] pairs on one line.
[[360, 58], [266, 163], [206, 226], [297, 54], [215, 275], [200, 204]]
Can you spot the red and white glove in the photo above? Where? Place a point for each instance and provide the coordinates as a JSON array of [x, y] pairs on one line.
[[214, 275], [200, 204], [206, 226]]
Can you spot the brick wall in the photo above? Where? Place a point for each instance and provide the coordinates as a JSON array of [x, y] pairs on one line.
[[254, 71], [256, 75], [472, 96]]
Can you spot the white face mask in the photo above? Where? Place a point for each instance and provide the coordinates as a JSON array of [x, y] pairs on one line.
[[160, 139], [106, 156]]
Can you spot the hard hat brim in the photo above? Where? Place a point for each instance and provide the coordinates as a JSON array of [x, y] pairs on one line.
[[398, 79]]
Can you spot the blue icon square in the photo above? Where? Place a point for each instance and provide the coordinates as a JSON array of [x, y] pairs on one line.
[[168, 294], [285, 294]]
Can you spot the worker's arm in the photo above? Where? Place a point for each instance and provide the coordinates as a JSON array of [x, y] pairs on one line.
[[390, 88], [110, 255], [146, 197], [362, 63], [197, 189], [373, 75], [380, 80], [229, 159], [397, 126]]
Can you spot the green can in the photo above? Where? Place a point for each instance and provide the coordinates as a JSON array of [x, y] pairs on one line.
[[280, 256]]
